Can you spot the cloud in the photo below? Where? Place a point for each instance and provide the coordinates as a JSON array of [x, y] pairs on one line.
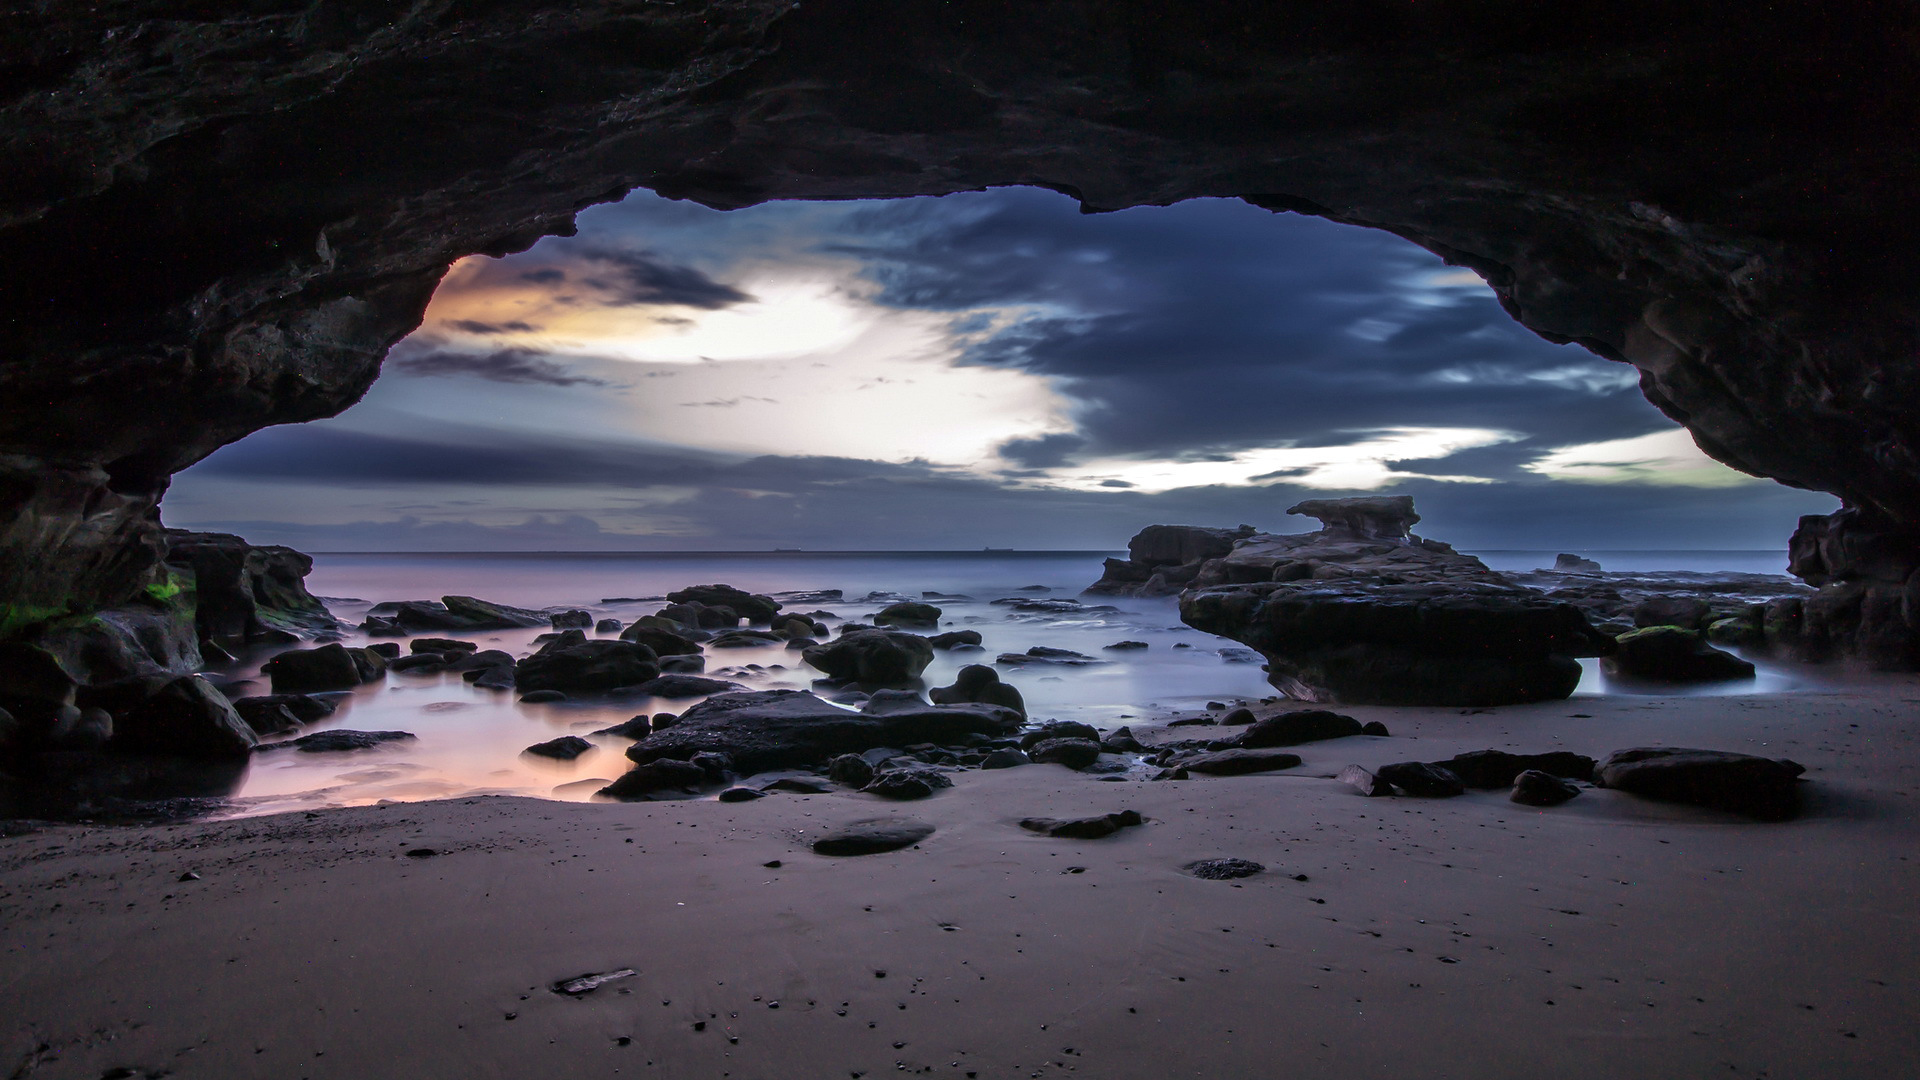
[[501, 366], [475, 326], [1664, 458], [642, 278]]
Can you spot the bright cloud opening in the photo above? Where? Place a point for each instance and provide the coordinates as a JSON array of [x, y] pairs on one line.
[[1364, 465], [1664, 458]]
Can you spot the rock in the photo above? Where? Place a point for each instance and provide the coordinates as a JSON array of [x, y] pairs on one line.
[[1240, 762], [1686, 612], [329, 667], [304, 709], [781, 729], [1374, 728], [909, 783], [1125, 646], [564, 748], [1006, 758], [1764, 788], [1670, 654], [851, 770], [799, 785], [574, 664], [954, 639], [909, 614], [744, 639], [669, 777], [1497, 768], [422, 663], [1422, 780], [1297, 727], [1085, 828], [485, 615], [542, 697], [375, 626], [637, 728], [571, 620], [741, 794], [1058, 729], [1158, 554], [1044, 654], [1366, 783], [338, 740], [1122, 741], [1238, 716], [1574, 564], [1223, 869], [1073, 753], [872, 837], [33, 682], [683, 664], [1535, 788], [979, 683], [442, 646], [749, 606], [492, 665], [608, 626], [686, 686], [244, 594], [77, 730], [662, 641], [872, 657], [691, 617], [1371, 517]]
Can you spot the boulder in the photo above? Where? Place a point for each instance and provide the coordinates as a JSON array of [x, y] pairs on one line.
[[979, 683], [749, 606], [745, 639], [1372, 517], [571, 620], [1296, 727], [1073, 753], [914, 782], [329, 667], [1163, 559], [78, 730], [572, 663], [685, 686], [667, 777], [1058, 729], [1223, 869], [1670, 654], [872, 657], [486, 615], [909, 614], [275, 714], [1005, 758], [851, 770], [338, 740], [1686, 612], [695, 616], [244, 594], [1363, 781], [872, 837], [1574, 564], [608, 626], [564, 748], [443, 646], [955, 639], [420, 663], [33, 682], [1083, 828], [1764, 788], [1422, 780], [740, 794], [1498, 769], [541, 697], [1240, 762], [638, 727], [1536, 788], [1124, 646], [782, 729]]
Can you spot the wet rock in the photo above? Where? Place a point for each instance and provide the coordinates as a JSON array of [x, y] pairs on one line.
[[1073, 753], [745, 639], [749, 606], [1125, 646], [587, 984], [1363, 781], [338, 740], [1497, 768], [1422, 780], [799, 785], [1240, 762], [1574, 564], [665, 777], [692, 617], [572, 663], [486, 615], [489, 669], [741, 794], [542, 697], [1241, 715], [1671, 654], [1085, 828], [1764, 788], [909, 614], [686, 686], [913, 782], [329, 667], [272, 714], [872, 657], [375, 626], [979, 683], [420, 663], [443, 646], [571, 620], [1005, 758], [638, 727], [1122, 741], [1686, 612], [851, 770], [1374, 728], [955, 639], [872, 837], [1223, 869], [245, 594], [1058, 729], [564, 748], [1163, 558], [1044, 654], [183, 717], [780, 729], [1536, 788], [683, 664], [1297, 727]]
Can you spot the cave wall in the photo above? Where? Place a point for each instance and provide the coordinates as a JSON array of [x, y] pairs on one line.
[[217, 216]]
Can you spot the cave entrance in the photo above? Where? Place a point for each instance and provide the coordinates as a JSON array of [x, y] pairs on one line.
[[986, 369]]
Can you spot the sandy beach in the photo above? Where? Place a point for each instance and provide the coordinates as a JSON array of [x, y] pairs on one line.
[[1467, 937]]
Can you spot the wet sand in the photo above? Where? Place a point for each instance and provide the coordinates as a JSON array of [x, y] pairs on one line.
[[1470, 937]]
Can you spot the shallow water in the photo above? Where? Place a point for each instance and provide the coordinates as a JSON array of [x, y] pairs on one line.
[[471, 741]]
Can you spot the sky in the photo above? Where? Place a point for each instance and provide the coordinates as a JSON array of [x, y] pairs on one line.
[[984, 369]]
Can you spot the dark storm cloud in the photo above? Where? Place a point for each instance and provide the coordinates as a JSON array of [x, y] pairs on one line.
[[643, 278], [501, 366], [475, 326], [1045, 452], [1217, 325]]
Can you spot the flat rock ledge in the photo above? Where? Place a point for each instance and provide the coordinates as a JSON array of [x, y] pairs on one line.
[[783, 729]]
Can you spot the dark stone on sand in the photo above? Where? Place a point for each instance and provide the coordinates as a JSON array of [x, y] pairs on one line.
[[1223, 869], [1672, 654], [571, 620], [874, 657], [851, 770], [1085, 828], [572, 663], [1497, 768], [953, 639], [979, 683], [909, 614], [1193, 721], [637, 728], [1058, 729], [799, 785], [564, 748], [741, 794], [686, 686], [541, 697], [872, 837], [1374, 728], [1297, 727], [1073, 753], [1241, 715], [338, 740], [1422, 780], [1764, 788], [1363, 781], [657, 778], [780, 729], [1006, 758], [912, 782], [1240, 762], [1122, 741], [749, 606], [1536, 788], [329, 667]]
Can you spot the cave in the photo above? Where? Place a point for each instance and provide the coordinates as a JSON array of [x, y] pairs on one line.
[[216, 218]]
